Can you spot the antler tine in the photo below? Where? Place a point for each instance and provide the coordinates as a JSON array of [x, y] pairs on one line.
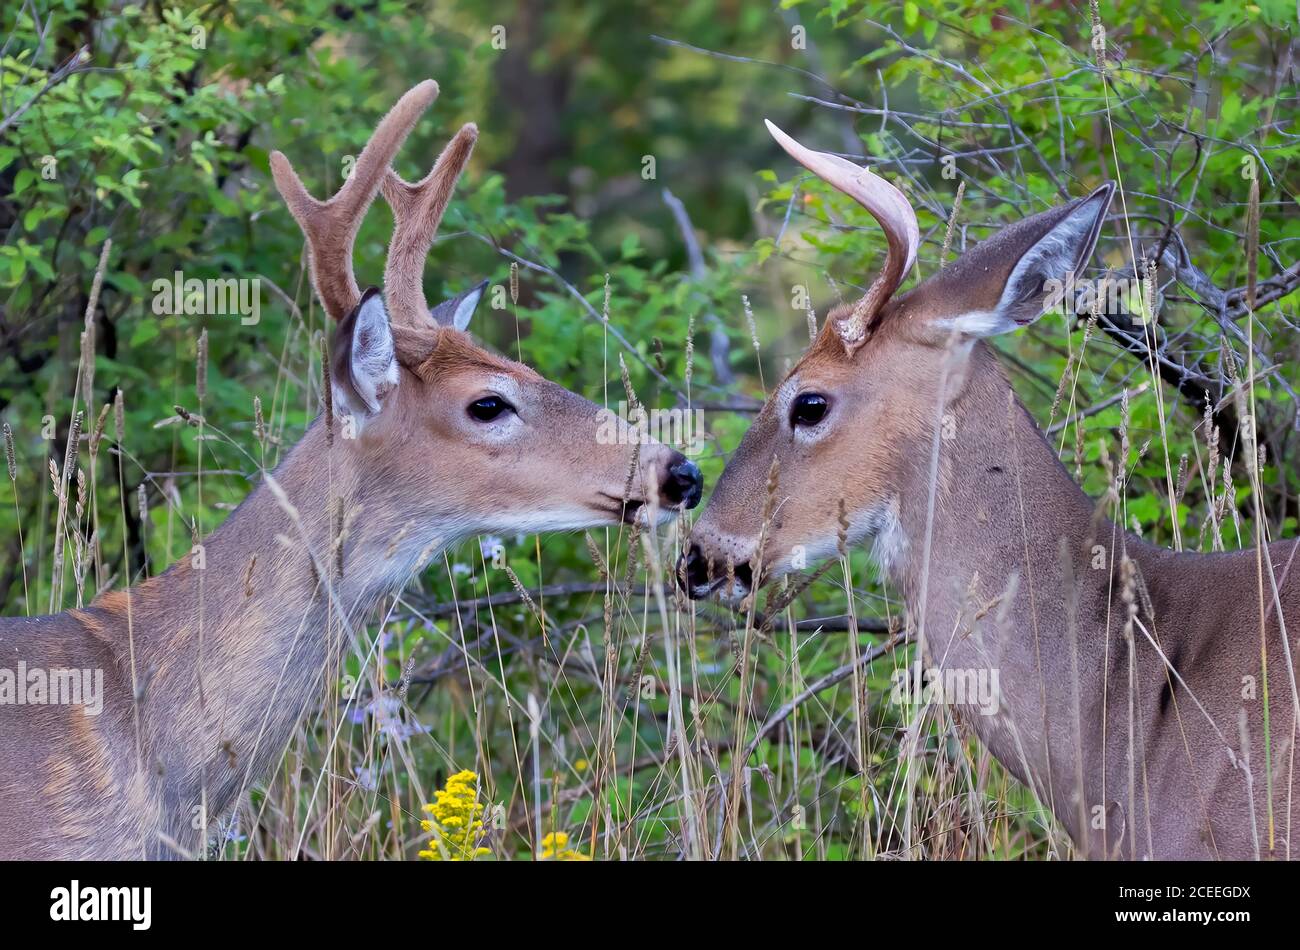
[[331, 226], [887, 205], [417, 211]]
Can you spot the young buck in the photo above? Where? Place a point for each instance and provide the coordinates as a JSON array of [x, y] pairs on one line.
[[206, 671], [1147, 697]]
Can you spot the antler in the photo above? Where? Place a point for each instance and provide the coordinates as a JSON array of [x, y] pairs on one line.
[[331, 226], [417, 212], [887, 205]]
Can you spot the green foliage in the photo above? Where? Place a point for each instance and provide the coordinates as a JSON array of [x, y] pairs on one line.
[[160, 143]]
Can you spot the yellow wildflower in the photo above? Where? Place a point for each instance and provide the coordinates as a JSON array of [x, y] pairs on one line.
[[455, 824], [555, 847]]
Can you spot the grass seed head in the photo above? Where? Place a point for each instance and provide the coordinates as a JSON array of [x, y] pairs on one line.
[[11, 461], [201, 367], [119, 417]]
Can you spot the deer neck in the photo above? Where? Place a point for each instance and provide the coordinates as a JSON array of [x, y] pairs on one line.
[[995, 571], [236, 639]]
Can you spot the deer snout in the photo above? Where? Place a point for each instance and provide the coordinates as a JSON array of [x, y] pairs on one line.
[[668, 482], [682, 483], [700, 575]]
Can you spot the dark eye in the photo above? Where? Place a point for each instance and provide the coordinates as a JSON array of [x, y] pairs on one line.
[[488, 408], [808, 409]]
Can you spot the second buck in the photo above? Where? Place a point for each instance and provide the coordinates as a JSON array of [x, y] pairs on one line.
[[208, 669], [1133, 680]]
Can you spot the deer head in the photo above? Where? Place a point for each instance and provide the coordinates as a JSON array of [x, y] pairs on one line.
[[848, 432], [445, 432]]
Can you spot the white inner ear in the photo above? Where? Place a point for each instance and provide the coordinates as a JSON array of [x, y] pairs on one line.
[[374, 363], [1052, 258], [465, 309]]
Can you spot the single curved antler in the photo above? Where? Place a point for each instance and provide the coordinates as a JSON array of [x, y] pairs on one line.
[[330, 227], [417, 212], [887, 205]]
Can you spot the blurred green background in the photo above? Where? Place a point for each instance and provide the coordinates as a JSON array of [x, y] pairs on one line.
[[150, 125]]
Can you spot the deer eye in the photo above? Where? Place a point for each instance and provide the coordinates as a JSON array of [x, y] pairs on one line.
[[808, 409], [488, 408]]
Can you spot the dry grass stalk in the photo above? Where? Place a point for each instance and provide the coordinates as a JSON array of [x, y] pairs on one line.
[[60, 523], [596, 557], [952, 224], [97, 433], [201, 368], [753, 338], [119, 418], [327, 390], [690, 350], [11, 462], [259, 425], [11, 465]]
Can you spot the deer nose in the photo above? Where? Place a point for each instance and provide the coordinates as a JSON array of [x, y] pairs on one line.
[[684, 484], [693, 574], [699, 577]]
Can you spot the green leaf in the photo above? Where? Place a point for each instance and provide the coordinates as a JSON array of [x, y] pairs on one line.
[[145, 331]]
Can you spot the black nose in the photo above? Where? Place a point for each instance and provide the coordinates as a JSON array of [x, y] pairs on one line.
[[684, 483], [693, 572], [697, 576]]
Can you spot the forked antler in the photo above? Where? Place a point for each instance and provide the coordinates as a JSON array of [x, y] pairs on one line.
[[417, 212], [331, 226], [887, 205]]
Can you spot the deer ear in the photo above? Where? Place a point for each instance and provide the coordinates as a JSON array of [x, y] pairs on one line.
[[1042, 270], [455, 311], [364, 364]]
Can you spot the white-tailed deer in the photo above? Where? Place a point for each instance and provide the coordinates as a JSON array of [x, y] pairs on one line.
[[207, 671], [1133, 680]]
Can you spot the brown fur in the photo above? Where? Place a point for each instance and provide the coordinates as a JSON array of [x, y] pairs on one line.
[[1010, 524], [208, 669], [224, 676]]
